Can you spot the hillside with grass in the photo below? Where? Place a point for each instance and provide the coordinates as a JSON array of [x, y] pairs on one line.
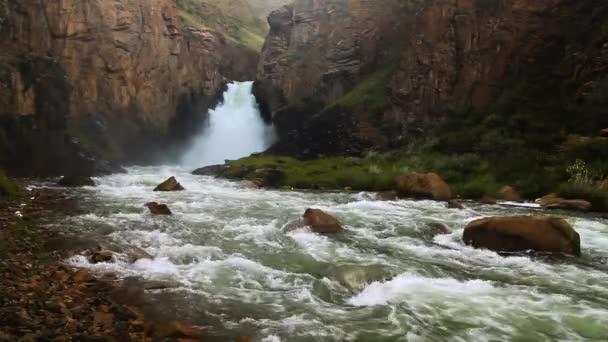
[[242, 22]]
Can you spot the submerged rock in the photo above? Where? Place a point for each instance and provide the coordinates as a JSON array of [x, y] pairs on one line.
[[158, 209], [321, 222], [170, 184], [552, 201], [250, 184], [508, 193], [76, 181], [423, 185], [455, 204], [387, 196], [437, 228], [523, 233]]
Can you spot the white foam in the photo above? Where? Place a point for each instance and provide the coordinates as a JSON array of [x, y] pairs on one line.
[[413, 287]]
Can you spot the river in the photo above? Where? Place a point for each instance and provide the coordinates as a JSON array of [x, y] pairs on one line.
[[239, 270]]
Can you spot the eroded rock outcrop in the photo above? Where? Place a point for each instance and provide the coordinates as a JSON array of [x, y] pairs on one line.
[[114, 78]]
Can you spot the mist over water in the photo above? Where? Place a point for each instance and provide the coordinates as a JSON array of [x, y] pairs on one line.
[[235, 129]]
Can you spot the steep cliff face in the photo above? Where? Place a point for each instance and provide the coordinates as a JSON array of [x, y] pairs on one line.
[[315, 53], [464, 54], [99, 74], [345, 77]]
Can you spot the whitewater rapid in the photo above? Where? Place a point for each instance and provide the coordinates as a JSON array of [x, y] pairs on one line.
[[235, 267], [240, 270]]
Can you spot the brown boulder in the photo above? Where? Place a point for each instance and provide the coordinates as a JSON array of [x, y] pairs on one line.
[[387, 196], [552, 201], [508, 193], [423, 185], [101, 256], [170, 184], [522, 233], [158, 209], [75, 181], [321, 222], [455, 204]]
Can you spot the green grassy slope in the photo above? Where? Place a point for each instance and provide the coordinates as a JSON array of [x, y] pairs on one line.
[[237, 20]]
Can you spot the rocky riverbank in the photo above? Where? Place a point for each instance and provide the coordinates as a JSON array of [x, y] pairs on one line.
[[41, 299]]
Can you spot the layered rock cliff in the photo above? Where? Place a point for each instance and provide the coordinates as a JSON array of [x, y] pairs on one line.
[[349, 76], [109, 78]]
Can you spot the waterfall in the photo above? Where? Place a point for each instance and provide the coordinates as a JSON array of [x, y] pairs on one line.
[[235, 129]]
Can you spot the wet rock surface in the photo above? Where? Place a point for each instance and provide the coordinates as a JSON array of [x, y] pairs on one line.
[[321, 222], [523, 233], [423, 185], [170, 184], [158, 209]]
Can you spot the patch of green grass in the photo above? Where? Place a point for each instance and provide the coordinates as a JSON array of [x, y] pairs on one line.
[[8, 187], [372, 174], [371, 92], [79, 136]]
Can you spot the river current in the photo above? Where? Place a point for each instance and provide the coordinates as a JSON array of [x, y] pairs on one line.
[[237, 268], [386, 278]]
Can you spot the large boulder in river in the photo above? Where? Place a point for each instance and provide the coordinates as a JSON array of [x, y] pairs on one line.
[[170, 184], [552, 201], [158, 209], [321, 222], [75, 181], [423, 185], [522, 233]]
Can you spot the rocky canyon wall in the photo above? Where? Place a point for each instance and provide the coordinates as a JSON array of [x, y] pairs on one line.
[[350, 76], [84, 79]]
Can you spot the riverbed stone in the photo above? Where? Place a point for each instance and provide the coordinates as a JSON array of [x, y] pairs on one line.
[[171, 184], [101, 256], [437, 228], [321, 222], [158, 208], [387, 195], [455, 204], [523, 233], [423, 185], [553, 201]]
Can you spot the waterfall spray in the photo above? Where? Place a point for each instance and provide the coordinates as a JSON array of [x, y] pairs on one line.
[[235, 129]]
